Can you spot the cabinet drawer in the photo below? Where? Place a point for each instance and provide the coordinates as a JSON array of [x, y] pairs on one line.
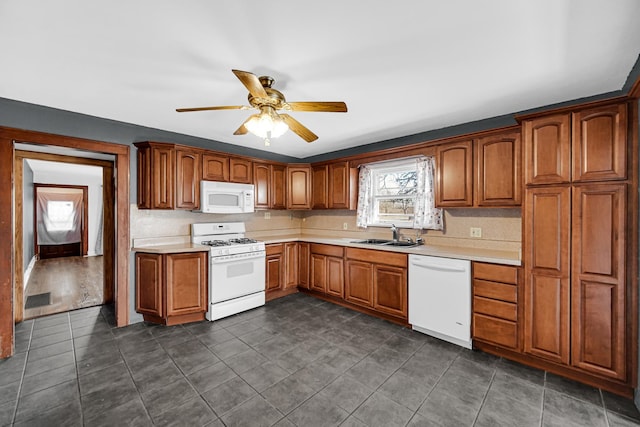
[[495, 273], [492, 307], [498, 331], [274, 248], [377, 256], [329, 250], [499, 291]]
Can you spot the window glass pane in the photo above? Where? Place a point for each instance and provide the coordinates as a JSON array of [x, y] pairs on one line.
[[60, 215], [396, 210], [392, 183]]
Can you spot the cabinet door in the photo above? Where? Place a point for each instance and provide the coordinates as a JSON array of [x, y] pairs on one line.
[[215, 168], [454, 174], [162, 177], [335, 277], [144, 178], [291, 265], [318, 273], [240, 170], [547, 149], [303, 264], [278, 187], [262, 184], [274, 272], [498, 161], [390, 290], [320, 193], [299, 187], [600, 143], [546, 299], [598, 279], [341, 181], [187, 179], [186, 283], [359, 282], [149, 284]]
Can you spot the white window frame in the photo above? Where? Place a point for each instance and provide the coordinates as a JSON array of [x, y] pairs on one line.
[[406, 165]]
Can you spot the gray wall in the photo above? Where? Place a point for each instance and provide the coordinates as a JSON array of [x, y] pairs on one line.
[[27, 215]]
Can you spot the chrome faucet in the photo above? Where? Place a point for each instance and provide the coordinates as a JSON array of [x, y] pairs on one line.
[[395, 232]]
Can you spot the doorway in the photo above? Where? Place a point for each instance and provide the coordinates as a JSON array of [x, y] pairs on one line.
[[11, 259]]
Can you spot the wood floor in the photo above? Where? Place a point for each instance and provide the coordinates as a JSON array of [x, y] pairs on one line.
[[74, 282]]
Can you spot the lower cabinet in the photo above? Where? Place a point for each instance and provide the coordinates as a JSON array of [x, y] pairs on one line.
[[171, 288], [327, 269], [377, 280], [281, 276], [495, 305]]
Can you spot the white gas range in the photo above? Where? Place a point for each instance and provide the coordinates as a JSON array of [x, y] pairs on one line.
[[236, 268]]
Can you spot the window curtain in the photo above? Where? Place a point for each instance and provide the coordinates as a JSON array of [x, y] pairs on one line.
[[54, 229], [427, 216], [365, 197]]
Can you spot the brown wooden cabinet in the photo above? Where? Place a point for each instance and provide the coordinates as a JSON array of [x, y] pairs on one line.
[[547, 152], [281, 276], [335, 186], [599, 143], [215, 167], [240, 170], [269, 185], [304, 259], [495, 305], [298, 186], [187, 181], [327, 269], [156, 175], [171, 288], [598, 279], [378, 280], [498, 177], [454, 174]]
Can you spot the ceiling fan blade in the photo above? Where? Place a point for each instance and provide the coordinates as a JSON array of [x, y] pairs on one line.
[[252, 83], [298, 128], [242, 130], [327, 107], [222, 107]]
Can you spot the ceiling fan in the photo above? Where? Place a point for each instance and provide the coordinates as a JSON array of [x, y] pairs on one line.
[[269, 123]]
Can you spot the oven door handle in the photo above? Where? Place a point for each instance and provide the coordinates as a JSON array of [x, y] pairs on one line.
[[225, 259]]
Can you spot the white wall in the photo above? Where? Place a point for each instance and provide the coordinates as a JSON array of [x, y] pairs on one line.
[[80, 176]]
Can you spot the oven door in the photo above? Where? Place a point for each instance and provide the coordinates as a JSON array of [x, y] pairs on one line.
[[235, 276]]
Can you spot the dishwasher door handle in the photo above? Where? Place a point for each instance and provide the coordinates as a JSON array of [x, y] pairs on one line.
[[439, 267]]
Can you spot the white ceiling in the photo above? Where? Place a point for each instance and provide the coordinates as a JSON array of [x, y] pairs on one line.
[[402, 67]]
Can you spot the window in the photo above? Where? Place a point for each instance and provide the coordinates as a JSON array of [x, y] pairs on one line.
[[61, 215], [398, 192]]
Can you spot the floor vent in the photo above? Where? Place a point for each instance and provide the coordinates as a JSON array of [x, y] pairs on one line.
[[38, 300]]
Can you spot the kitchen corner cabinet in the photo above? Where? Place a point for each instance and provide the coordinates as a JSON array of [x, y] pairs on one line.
[[171, 288], [496, 318], [377, 280], [168, 177], [304, 254], [327, 269], [298, 186], [335, 186], [281, 269]]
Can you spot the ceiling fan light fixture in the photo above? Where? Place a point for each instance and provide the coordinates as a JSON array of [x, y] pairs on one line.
[[268, 124]]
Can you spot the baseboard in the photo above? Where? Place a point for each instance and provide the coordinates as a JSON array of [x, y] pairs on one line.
[[27, 272]]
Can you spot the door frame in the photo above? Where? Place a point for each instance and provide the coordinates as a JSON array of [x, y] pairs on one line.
[[84, 232], [119, 245]]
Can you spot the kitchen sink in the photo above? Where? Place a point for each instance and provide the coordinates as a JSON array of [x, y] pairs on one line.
[[384, 242]]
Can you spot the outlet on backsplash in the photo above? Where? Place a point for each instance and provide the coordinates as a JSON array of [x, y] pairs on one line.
[[345, 226], [475, 232]]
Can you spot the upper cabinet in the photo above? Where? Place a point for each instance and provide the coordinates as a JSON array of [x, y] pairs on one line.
[[547, 154], [269, 183], [335, 186], [498, 177], [157, 175], [240, 170], [187, 179], [482, 172], [586, 145], [600, 143], [298, 181], [215, 167]]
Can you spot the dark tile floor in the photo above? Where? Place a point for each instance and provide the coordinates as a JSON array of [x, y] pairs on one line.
[[297, 361]]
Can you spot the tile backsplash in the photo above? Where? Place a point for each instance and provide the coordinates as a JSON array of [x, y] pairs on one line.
[[501, 228]]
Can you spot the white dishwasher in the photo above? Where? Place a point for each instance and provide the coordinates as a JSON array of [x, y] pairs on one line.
[[440, 298]]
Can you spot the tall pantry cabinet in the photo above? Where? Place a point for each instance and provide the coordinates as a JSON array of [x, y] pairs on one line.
[[578, 305]]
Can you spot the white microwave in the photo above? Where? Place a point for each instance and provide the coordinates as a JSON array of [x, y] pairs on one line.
[[226, 197]]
